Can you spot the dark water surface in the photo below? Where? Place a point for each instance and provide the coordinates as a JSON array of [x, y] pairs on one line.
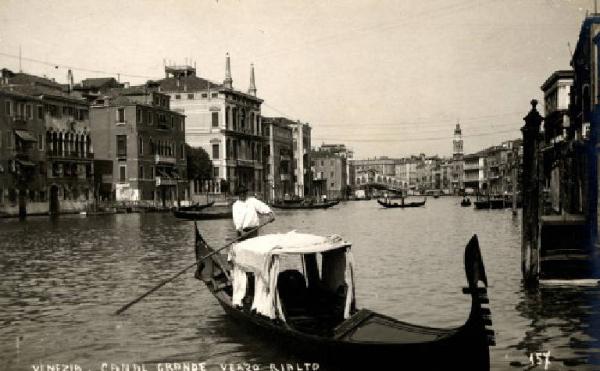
[[61, 281]]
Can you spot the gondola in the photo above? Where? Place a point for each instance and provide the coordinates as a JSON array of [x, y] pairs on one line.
[[401, 204], [206, 214], [493, 203], [314, 315], [305, 205], [465, 202], [196, 207]]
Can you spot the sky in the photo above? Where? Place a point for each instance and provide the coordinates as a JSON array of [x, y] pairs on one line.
[[386, 78]]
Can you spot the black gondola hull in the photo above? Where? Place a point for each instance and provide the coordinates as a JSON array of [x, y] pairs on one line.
[[391, 205], [368, 339], [202, 215], [291, 206]]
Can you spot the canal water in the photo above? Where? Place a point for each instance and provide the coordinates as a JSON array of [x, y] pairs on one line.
[[61, 281]]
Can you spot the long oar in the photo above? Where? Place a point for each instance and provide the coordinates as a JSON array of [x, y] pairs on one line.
[[126, 306]]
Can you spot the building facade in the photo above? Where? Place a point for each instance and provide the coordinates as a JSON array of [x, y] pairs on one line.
[[66, 164], [22, 157], [301, 138], [329, 169], [143, 140], [278, 154], [225, 122]]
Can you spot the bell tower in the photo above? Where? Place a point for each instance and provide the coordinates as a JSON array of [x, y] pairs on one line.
[[457, 143]]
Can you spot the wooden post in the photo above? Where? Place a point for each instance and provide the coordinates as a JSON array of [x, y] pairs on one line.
[[531, 197], [514, 183]]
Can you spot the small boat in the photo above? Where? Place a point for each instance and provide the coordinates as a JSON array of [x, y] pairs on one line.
[[401, 204], [206, 214], [314, 314], [465, 202], [196, 207], [305, 205]]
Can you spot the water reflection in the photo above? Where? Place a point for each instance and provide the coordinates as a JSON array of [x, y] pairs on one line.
[[564, 321]]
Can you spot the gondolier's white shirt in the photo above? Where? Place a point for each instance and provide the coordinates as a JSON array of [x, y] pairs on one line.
[[245, 213]]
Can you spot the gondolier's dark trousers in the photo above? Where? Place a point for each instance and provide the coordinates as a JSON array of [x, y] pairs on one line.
[[248, 298], [250, 235]]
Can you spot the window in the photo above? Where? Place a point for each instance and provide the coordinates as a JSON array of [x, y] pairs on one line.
[[150, 118], [204, 95], [121, 114], [140, 145], [331, 174], [214, 95], [40, 112], [215, 151], [172, 122], [8, 108], [20, 110], [122, 145], [122, 173], [177, 96], [216, 172], [190, 96], [29, 112], [9, 140], [215, 119], [40, 142], [141, 174], [138, 116]]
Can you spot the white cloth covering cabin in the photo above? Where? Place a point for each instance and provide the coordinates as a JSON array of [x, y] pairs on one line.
[[261, 256]]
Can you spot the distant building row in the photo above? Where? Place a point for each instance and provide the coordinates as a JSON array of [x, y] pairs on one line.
[[488, 171]]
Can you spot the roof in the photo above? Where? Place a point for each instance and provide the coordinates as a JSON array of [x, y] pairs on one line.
[[21, 78], [39, 90], [99, 82], [187, 84], [254, 252], [557, 75], [584, 35]]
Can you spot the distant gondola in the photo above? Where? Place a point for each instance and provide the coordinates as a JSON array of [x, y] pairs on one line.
[[465, 202], [207, 214], [401, 204], [490, 204], [196, 207], [314, 314], [305, 205]]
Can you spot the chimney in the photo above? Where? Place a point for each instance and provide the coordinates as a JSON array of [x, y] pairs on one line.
[[252, 88], [228, 82]]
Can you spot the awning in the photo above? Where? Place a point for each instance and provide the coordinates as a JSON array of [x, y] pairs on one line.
[[25, 135], [25, 163]]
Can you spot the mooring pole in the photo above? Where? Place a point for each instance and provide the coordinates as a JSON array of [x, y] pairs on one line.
[[531, 196]]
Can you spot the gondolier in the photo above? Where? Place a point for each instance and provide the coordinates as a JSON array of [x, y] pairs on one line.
[[246, 210]]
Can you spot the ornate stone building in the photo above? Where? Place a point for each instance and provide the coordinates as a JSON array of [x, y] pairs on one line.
[[224, 121]]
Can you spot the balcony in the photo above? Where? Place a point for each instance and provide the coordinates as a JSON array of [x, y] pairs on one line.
[[245, 163], [285, 158], [20, 119], [158, 159], [165, 181], [69, 155], [285, 177]]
